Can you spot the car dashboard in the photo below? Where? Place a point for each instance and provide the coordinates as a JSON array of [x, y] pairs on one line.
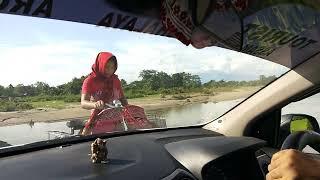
[[179, 154]]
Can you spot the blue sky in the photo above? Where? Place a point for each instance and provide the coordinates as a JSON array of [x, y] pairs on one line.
[[35, 49]]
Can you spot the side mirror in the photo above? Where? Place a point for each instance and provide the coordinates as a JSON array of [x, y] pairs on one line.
[[296, 122], [300, 123]]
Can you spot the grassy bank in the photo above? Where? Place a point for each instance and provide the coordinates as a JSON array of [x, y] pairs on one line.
[[149, 103], [62, 102]]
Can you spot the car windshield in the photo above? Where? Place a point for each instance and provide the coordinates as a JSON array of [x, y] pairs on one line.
[[55, 82]]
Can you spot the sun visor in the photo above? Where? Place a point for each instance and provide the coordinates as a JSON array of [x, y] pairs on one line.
[[129, 15], [284, 32]]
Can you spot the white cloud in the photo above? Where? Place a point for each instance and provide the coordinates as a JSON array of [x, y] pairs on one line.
[[48, 54], [54, 63], [172, 58], [57, 62]]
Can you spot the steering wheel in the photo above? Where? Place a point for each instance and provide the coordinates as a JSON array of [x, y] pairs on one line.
[[301, 139], [298, 140]]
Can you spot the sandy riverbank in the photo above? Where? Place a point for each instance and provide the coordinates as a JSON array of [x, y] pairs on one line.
[[74, 111]]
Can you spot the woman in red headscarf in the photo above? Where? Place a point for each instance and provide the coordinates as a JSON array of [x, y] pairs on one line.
[[101, 86]]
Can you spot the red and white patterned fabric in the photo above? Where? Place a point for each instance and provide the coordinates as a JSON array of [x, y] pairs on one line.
[[110, 120]]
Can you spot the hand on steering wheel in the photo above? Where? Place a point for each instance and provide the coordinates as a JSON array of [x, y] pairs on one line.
[[290, 163]]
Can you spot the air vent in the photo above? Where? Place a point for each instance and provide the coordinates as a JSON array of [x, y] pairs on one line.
[[179, 174]]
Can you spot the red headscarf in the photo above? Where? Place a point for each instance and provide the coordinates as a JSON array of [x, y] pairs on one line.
[[98, 68]]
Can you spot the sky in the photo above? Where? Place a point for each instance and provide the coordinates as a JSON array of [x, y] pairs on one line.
[[52, 51]]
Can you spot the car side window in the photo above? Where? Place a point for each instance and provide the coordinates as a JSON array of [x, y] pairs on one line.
[[308, 106]]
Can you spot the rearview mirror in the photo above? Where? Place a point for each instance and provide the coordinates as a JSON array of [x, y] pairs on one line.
[[296, 122]]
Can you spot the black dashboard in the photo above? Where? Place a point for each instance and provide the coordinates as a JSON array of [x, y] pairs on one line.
[[179, 154]]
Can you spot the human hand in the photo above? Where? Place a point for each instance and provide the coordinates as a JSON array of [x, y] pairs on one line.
[[293, 165], [118, 105], [120, 108], [99, 105]]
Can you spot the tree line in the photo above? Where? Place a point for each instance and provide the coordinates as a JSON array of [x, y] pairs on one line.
[[20, 97], [152, 82]]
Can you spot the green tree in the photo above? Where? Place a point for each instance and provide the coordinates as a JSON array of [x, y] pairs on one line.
[[73, 87], [196, 81], [164, 80], [147, 74], [190, 81], [9, 91], [42, 88], [177, 80], [2, 90], [135, 85], [54, 91], [22, 90], [123, 83]]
